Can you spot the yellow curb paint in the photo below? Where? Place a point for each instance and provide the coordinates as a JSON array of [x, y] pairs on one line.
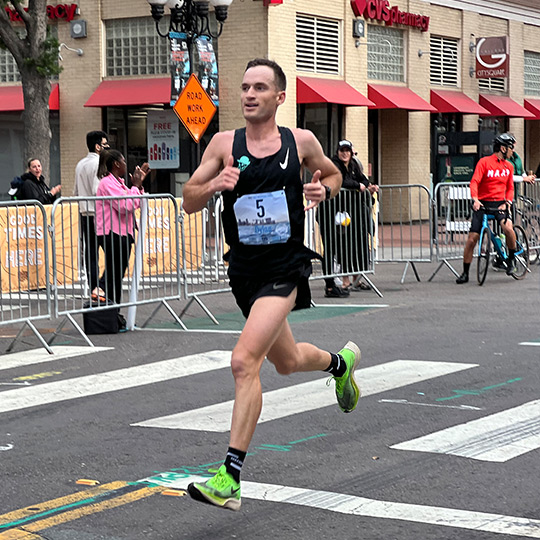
[[55, 503], [87, 482], [17, 534], [72, 515], [37, 376]]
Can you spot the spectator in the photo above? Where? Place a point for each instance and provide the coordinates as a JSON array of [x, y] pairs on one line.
[[115, 220], [34, 186], [517, 162], [345, 223], [86, 184]]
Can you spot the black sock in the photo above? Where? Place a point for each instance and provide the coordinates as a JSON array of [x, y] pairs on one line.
[[337, 366], [511, 254], [234, 461], [466, 267]]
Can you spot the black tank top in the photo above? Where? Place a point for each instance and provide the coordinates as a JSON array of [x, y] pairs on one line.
[[280, 171]]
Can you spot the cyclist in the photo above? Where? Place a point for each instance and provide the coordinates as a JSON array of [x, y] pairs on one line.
[[492, 188]]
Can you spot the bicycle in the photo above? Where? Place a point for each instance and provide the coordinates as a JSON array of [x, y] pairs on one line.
[[488, 237]]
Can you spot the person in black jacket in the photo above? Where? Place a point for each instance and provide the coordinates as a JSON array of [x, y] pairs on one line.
[[34, 186], [346, 222]]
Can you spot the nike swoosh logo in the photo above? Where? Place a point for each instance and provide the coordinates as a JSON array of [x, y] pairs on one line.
[[286, 162], [277, 286]]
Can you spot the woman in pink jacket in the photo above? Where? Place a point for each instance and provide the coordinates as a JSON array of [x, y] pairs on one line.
[[115, 219]]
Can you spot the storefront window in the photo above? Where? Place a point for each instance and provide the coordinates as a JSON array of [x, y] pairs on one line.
[[12, 160], [532, 73], [133, 47], [126, 128], [386, 53], [324, 120]]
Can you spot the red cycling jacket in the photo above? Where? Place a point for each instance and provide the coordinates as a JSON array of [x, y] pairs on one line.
[[493, 180]]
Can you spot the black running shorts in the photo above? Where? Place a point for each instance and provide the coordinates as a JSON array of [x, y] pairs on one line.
[[246, 290]]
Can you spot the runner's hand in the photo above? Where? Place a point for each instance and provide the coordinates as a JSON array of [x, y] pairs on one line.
[[314, 191], [226, 180]]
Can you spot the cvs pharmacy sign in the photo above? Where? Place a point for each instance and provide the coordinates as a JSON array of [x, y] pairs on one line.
[[380, 10]]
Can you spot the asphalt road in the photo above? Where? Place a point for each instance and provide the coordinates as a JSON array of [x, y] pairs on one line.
[[314, 474]]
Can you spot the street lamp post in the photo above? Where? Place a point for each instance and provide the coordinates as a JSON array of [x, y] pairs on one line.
[[190, 18]]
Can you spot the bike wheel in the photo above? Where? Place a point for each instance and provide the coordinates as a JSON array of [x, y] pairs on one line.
[[484, 252], [522, 259]]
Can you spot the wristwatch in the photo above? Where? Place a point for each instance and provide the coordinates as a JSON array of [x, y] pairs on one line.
[[328, 191]]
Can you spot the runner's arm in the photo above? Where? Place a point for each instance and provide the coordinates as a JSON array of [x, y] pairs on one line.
[[215, 173]]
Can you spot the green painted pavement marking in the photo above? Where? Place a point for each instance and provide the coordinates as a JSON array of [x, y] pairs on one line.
[[235, 320]]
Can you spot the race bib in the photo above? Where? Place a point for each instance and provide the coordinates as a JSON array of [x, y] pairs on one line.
[[263, 218]]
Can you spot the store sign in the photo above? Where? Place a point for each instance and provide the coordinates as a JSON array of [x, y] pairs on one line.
[[55, 13], [380, 10], [163, 140], [492, 57], [195, 108]]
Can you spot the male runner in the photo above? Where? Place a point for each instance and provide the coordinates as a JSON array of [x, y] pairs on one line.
[[257, 170]]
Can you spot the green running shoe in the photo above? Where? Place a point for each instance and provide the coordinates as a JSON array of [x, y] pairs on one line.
[[347, 391], [221, 490]]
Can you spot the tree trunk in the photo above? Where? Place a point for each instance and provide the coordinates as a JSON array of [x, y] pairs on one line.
[[37, 129]]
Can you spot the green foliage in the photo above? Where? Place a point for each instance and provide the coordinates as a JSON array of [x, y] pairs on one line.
[[46, 64]]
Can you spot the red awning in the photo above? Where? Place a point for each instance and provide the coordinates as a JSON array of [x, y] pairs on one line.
[[447, 101], [504, 106], [123, 93], [12, 100], [311, 90], [397, 97], [533, 106]]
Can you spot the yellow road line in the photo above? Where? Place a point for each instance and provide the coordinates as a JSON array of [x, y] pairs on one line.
[[77, 513], [18, 534], [55, 503]]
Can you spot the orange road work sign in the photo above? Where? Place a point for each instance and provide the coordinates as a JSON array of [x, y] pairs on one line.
[[195, 108]]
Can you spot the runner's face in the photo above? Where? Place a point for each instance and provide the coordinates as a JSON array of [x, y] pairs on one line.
[[260, 96]]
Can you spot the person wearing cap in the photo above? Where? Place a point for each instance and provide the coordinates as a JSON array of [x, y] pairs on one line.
[[347, 240], [492, 191], [16, 184]]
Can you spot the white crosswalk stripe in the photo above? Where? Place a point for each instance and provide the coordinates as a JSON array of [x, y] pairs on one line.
[[37, 356], [110, 381], [309, 396], [497, 437], [373, 508]]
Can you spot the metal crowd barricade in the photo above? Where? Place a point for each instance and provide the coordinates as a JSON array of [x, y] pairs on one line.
[[452, 206], [404, 226], [25, 292], [342, 231], [204, 271], [527, 214], [147, 246]]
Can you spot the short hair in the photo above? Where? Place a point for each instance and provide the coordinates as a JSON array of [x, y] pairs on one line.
[[106, 160], [279, 76], [93, 138]]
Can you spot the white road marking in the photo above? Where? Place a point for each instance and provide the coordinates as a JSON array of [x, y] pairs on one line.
[[37, 356], [406, 402], [497, 437], [309, 396], [361, 506], [110, 381], [531, 343]]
